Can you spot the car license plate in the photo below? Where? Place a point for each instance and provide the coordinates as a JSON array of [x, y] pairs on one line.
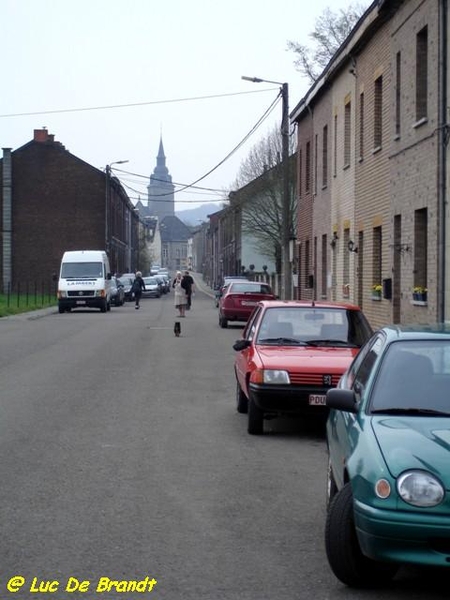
[[81, 301], [317, 400], [248, 303]]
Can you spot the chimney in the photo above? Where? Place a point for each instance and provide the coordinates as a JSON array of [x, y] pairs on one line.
[[42, 135]]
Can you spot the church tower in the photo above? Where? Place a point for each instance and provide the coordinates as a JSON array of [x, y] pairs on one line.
[[161, 201]]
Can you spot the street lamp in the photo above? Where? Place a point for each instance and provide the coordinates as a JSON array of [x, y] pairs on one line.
[[286, 277], [108, 201]]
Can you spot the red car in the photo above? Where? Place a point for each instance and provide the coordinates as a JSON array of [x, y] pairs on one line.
[[239, 298], [291, 353]]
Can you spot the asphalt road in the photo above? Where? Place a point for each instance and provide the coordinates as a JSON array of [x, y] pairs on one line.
[[123, 457]]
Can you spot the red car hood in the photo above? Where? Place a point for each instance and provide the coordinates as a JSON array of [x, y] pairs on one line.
[[306, 358]]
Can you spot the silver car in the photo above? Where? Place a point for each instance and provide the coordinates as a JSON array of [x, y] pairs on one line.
[[152, 288]]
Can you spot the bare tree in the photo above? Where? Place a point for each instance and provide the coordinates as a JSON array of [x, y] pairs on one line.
[[260, 195], [331, 29]]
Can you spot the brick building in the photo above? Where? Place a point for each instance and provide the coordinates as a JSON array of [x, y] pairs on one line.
[[52, 201], [372, 167]]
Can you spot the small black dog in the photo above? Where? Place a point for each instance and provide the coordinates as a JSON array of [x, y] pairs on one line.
[[177, 328]]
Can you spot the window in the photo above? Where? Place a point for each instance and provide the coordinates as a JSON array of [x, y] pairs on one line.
[[346, 266], [378, 113], [324, 266], [376, 256], [316, 145], [347, 133], [325, 156], [307, 263], [300, 179], [361, 126], [308, 167], [362, 367], [356, 364], [421, 74], [335, 145], [420, 245], [397, 93]]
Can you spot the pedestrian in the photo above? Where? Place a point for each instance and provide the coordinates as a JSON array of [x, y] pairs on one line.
[[136, 288], [180, 294], [189, 287]]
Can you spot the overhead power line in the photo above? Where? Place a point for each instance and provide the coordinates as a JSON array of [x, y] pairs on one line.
[[235, 149], [132, 104]]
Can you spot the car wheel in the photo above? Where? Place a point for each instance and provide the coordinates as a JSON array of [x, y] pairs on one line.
[[344, 554], [223, 322], [104, 306], [61, 310], [255, 419], [108, 306], [331, 484], [241, 400]]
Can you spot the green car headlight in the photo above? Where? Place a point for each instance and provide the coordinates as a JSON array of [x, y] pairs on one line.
[[420, 488], [275, 376]]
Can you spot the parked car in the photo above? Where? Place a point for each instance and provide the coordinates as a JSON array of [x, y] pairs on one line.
[[117, 292], [127, 281], [239, 298], [167, 282], [291, 353], [161, 282], [152, 288], [218, 291], [388, 435]]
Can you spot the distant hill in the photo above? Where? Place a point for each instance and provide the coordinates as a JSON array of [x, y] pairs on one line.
[[194, 216]]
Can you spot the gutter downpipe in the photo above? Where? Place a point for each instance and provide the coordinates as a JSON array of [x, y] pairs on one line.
[[443, 137]]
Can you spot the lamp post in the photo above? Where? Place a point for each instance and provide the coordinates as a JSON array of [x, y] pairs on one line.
[[286, 276], [108, 202]]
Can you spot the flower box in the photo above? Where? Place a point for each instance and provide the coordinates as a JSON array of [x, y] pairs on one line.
[[376, 291], [420, 296]]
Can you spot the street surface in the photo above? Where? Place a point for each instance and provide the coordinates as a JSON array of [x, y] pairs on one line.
[[124, 459]]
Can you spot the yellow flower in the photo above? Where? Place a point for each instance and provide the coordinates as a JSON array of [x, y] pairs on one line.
[[420, 290], [377, 287]]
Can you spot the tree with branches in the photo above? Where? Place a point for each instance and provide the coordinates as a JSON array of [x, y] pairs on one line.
[[260, 195], [330, 31]]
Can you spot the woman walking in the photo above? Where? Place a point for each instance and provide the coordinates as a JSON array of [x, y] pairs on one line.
[[180, 294], [137, 287]]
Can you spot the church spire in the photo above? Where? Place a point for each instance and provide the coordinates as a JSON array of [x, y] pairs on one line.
[[161, 189]]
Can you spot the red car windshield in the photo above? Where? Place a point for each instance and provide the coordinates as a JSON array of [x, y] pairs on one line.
[[316, 326], [249, 288]]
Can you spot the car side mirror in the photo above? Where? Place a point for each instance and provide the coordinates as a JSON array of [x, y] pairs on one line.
[[342, 400], [241, 345]]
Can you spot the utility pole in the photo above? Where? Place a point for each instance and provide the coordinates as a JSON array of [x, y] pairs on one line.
[[286, 269], [286, 294]]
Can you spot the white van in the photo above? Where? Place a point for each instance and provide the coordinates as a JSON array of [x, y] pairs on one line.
[[84, 281]]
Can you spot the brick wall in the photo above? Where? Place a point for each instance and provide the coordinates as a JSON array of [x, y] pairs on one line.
[[58, 204]]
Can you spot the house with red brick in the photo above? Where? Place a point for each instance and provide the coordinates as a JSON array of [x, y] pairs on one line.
[[52, 201]]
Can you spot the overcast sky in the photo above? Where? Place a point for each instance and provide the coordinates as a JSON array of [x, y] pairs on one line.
[[178, 62]]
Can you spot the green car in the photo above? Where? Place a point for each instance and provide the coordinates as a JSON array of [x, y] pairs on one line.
[[388, 438]]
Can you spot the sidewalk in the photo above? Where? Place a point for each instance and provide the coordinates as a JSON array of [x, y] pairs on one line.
[[201, 285]]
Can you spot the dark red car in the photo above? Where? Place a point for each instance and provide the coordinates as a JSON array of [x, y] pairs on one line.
[[291, 353], [240, 298]]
